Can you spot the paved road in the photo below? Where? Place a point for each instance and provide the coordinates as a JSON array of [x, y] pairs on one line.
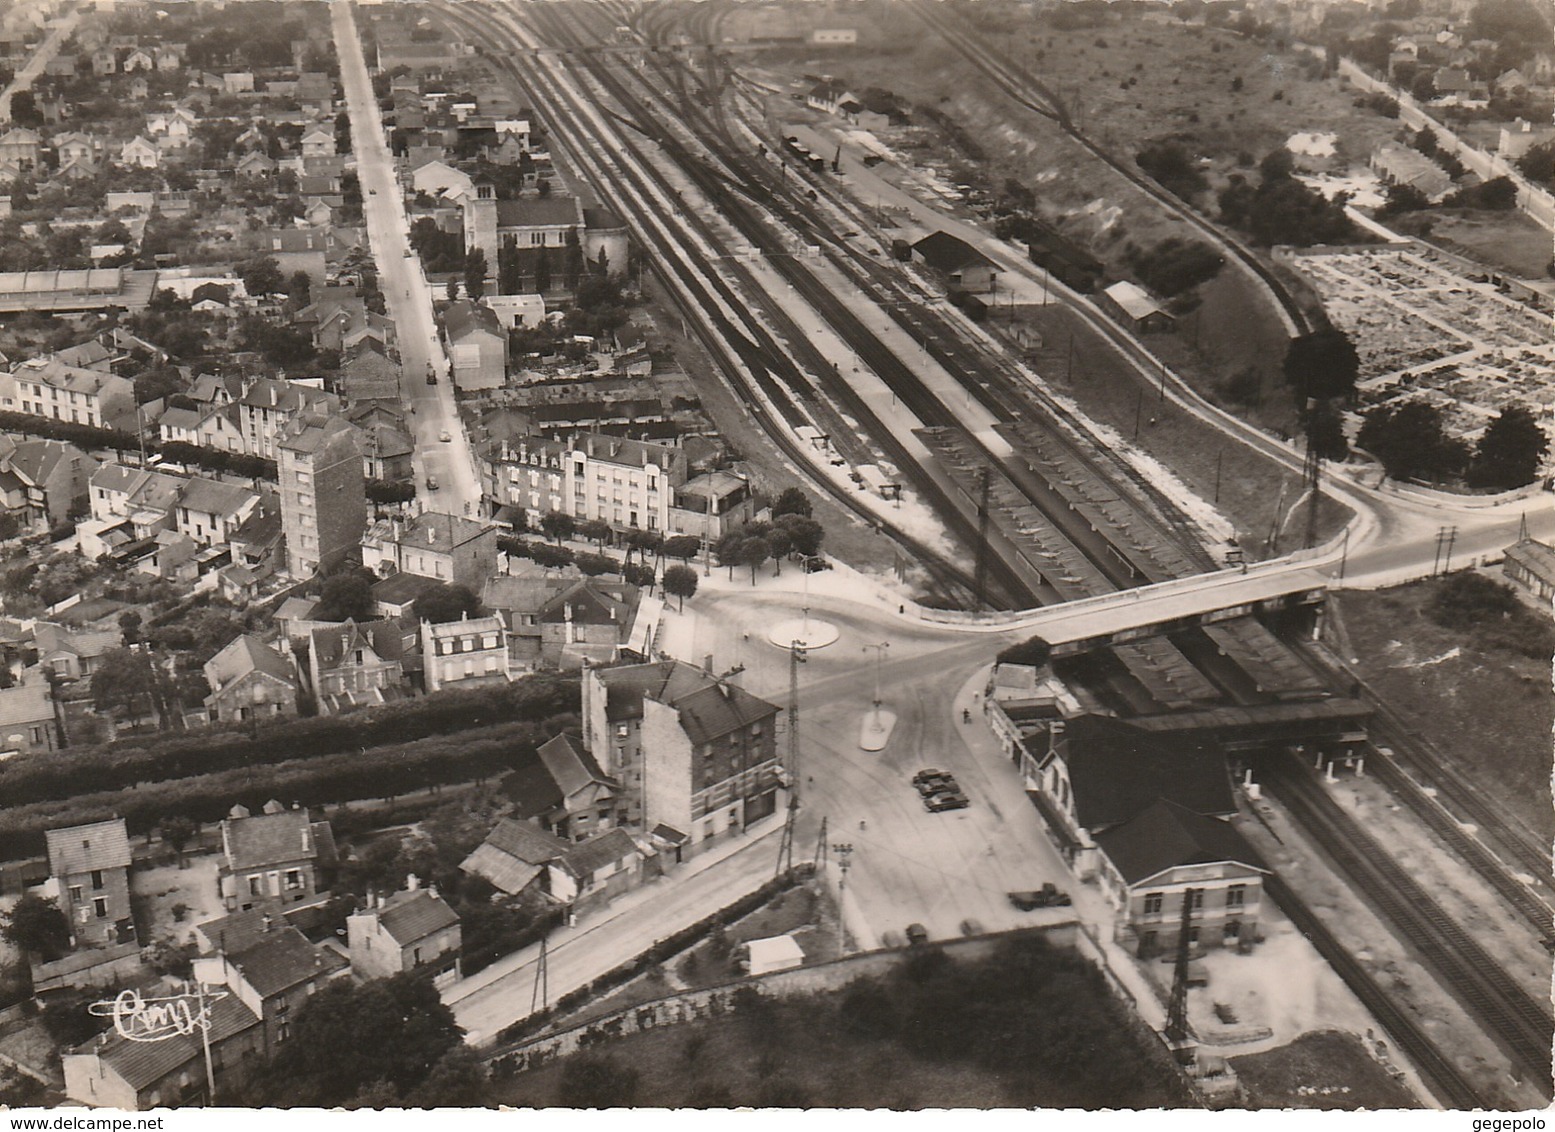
[[505, 992], [450, 462], [47, 48]]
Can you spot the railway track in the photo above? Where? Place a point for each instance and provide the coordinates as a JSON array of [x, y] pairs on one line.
[[771, 376], [1034, 95], [1522, 1025]]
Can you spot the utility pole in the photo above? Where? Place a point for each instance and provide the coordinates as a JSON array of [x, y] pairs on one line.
[[1177, 1012], [980, 579], [796, 657], [1314, 476], [540, 998], [1219, 452], [844, 851]]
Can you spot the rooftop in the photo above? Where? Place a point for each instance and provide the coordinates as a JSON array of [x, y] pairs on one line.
[[83, 848], [1166, 836], [409, 916]]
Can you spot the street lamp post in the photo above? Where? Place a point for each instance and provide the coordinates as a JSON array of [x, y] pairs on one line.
[[879, 655], [804, 565]]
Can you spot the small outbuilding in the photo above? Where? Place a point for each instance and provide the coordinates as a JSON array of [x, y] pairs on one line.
[[1143, 314], [776, 953]]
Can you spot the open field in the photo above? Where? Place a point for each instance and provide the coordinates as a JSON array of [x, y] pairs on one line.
[[1326, 1070], [1483, 702], [1511, 241]]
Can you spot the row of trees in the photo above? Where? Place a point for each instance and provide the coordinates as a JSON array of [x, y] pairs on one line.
[[1410, 440]]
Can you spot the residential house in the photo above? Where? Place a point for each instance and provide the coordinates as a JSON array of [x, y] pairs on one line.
[[439, 179], [711, 504], [301, 249], [47, 387], [696, 755], [1401, 165], [256, 543], [255, 164], [238, 82], [146, 500], [629, 484], [556, 228], [273, 858], [450, 548], [316, 93], [469, 651], [1136, 308], [268, 406], [168, 59], [477, 346], [27, 719], [318, 142], [210, 510], [1453, 81], [42, 481], [20, 147], [89, 875], [76, 146], [413, 930], [250, 680], [827, 96], [368, 373], [273, 973], [1167, 856], [560, 622], [351, 664], [112, 1071], [105, 62], [562, 788], [139, 153], [387, 453], [517, 857], [139, 59], [73, 654], [961, 265]]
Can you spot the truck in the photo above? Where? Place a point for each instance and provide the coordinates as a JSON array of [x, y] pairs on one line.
[[1048, 896]]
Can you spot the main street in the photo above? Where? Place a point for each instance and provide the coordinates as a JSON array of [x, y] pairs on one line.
[[47, 48], [449, 463]]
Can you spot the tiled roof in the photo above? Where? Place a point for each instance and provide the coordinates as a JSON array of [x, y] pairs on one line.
[[1538, 557], [82, 848], [1117, 771], [409, 916], [397, 589], [282, 958], [268, 839], [331, 643], [600, 850], [523, 842], [247, 654], [944, 252], [465, 627], [591, 602], [1166, 836], [215, 497], [538, 212], [462, 318], [709, 708], [569, 764], [434, 530], [143, 1064]]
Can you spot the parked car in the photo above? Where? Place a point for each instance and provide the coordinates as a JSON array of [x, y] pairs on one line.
[[816, 565], [970, 926], [917, 934], [939, 784], [928, 776], [890, 939], [432, 484], [947, 800], [444, 436]]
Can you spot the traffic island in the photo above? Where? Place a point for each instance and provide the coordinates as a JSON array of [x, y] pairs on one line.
[[876, 730], [806, 632]]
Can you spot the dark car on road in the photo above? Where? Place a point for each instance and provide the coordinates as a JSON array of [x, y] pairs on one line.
[[1048, 896], [946, 800], [917, 934], [933, 782]]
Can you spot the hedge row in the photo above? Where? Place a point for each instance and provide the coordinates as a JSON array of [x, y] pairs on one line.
[[115, 766], [660, 951], [320, 781]]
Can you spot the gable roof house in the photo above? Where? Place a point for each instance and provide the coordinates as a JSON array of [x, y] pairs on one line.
[[73, 653], [272, 972], [413, 930], [89, 868], [352, 664], [250, 680], [828, 96], [43, 480], [517, 857], [273, 858], [563, 789], [477, 346], [210, 510]]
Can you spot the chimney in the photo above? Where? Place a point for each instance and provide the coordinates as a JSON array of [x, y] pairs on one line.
[[412, 882], [707, 664], [265, 922], [432, 892]]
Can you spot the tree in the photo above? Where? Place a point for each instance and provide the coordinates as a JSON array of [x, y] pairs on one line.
[[348, 1036], [542, 270], [1409, 441], [36, 924], [388, 492], [157, 382], [475, 274], [458, 1080], [299, 289], [451, 290], [177, 831], [447, 603], [1510, 450], [1173, 167], [550, 557], [590, 1081], [261, 275], [1321, 365], [596, 531], [347, 596], [595, 564], [683, 547], [1325, 432], [129, 626], [1425, 142], [804, 535], [753, 551], [557, 525], [680, 582], [1402, 198], [791, 501], [781, 545], [122, 679], [637, 574]]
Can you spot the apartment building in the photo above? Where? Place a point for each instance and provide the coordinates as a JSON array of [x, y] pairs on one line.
[[323, 492], [630, 484]]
